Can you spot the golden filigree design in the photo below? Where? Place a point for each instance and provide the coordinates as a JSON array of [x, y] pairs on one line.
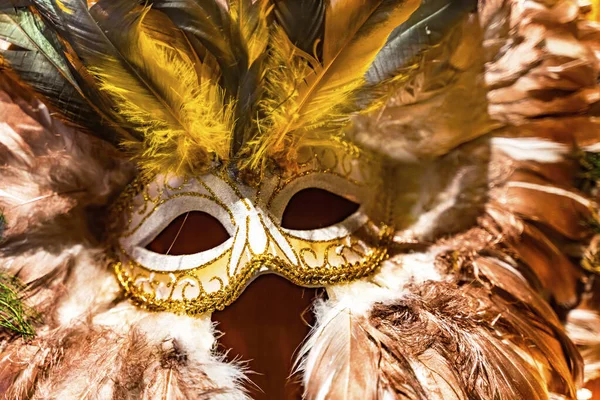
[[258, 247], [217, 300]]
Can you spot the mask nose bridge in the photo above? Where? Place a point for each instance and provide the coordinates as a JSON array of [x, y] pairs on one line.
[[259, 239], [277, 244], [259, 230]]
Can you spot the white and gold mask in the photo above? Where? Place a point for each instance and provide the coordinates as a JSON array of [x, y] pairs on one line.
[[259, 241]]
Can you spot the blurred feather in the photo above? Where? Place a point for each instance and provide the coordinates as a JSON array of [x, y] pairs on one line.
[[2, 224], [535, 201], [583, 326], [540, 68], [434, 107], [543, 257], [37, 62], [426, 27], [249, 24], [9, 5]]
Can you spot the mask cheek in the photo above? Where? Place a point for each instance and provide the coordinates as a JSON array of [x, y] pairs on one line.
[[164, 263], [173, 287], [338, 247]]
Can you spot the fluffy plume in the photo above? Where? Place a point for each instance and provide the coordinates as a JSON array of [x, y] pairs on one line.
[[134, 359], [237, 37], [436, 340], [56, 186], [138, 359], [109, 57], [206, 25], [177, 105], [128, 67]]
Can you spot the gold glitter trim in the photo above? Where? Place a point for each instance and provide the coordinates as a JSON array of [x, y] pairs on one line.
[[218, 300], [183, 292]]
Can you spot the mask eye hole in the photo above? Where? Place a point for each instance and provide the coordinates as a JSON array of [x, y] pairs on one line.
[[315, 208], [189, 233]]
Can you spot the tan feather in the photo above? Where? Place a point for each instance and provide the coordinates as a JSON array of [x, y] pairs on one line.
[[572, 130], [506, 277], [562, 173], [563, 210], [544, 259]]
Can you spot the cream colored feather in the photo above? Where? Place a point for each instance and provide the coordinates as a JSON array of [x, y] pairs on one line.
[[341, 361]]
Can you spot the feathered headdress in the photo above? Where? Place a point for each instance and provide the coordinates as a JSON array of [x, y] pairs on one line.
[[187, 85]]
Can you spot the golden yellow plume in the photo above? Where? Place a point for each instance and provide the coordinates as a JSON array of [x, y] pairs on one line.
[[321, 98], [172, 99]]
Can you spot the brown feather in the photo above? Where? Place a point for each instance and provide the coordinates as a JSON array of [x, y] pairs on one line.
[[550, 206], [544, 259]]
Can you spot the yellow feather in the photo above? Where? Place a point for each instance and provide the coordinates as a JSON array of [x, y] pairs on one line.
[[287, 67], [174, 102], [322, 96]]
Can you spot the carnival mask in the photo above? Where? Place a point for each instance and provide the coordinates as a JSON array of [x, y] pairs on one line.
[[256, 233]]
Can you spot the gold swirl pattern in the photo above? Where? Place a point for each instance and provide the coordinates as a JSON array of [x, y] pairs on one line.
[[201, 283]]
